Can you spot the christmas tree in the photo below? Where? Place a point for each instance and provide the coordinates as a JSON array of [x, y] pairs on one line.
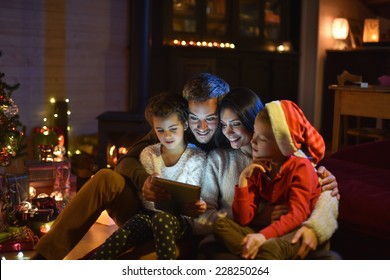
[[12, 132]]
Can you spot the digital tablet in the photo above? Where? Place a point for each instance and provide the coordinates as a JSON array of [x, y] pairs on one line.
[[181, 195]]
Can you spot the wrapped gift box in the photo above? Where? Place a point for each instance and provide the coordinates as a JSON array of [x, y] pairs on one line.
[[40, 215], [17, 186], [47, 177], [44, 203], [17, 239], [20, 245]]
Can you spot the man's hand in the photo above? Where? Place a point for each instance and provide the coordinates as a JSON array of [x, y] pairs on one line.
[[309, 241], [278, 211], [152, 192], [251, 244], [328, 181]]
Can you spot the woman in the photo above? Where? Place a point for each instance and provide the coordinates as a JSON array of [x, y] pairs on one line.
[[237, 113]]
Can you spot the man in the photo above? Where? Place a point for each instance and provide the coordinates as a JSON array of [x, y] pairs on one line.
[[117, 191]]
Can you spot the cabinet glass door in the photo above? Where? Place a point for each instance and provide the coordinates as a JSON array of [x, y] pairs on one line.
[[249, 18], [216, 21], [272, 15], [184, 16], [248, 24]]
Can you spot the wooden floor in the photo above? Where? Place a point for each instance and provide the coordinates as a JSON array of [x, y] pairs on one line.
[[97, 234]]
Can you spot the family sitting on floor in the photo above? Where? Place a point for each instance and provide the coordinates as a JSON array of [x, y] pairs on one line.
[[261, 196]]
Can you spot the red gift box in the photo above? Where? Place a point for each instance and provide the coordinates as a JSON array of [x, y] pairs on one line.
[[18, 239], [19, 245]]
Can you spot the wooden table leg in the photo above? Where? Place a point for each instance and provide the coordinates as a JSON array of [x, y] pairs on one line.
[[336, 122]]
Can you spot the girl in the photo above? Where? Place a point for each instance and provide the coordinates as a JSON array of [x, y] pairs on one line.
[[172, 158]]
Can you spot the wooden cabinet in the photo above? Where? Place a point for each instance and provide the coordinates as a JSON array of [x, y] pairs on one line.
[[271, 75], [248, 24], [255, 27], [155, 65]]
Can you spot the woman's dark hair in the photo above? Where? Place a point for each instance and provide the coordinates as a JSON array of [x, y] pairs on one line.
[[164, 104], [243, 102]]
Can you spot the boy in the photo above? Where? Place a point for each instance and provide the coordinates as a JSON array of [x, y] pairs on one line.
[[276, 176]]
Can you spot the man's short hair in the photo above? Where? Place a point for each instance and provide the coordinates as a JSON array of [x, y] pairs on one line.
[[204, 86]]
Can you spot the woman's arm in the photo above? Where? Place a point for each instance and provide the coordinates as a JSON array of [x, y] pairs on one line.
[[323, 219], [210, 194]]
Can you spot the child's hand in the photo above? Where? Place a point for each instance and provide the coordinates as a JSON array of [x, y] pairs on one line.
[[251, 244], [201, 206], [197, 208], [248, 171], [153, 192]]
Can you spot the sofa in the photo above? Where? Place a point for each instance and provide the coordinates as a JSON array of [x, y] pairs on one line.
[[363, 175]]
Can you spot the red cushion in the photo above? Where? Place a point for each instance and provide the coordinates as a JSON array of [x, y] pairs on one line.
[[365, 196], [374, 154]]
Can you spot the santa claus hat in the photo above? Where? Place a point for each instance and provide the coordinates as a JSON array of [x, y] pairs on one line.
[[292, 129]]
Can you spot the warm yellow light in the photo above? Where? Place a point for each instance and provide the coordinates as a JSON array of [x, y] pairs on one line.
[[340, 28], [44, 228], [371, 30], [32, 192], [280, 48], [45, 130], [57, 195], [201, 44], [122, 150], [111, 150]]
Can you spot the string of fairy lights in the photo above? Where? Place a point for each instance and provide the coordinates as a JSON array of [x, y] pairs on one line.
[[283, 47]]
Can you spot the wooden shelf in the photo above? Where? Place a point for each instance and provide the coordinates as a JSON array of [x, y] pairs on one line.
[[368, 132]]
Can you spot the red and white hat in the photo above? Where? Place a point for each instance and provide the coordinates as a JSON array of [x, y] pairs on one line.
[[292, 129]]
